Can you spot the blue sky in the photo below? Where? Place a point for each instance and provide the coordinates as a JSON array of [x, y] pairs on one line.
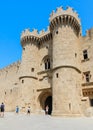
[[17, 15]]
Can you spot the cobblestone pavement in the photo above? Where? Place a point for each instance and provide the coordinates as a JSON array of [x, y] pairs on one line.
[[11, 121]]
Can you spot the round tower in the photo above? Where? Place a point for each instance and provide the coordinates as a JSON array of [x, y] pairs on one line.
[[66, 30], [29, 41], [29, 67]]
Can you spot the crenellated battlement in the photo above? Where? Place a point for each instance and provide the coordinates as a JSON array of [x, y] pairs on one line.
[[27, 32], [35, 36], [43, 32], [60, 11], [14, 65], [89, 33]]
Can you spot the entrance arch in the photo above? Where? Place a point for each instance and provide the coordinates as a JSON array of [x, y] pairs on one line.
[[45, 98]]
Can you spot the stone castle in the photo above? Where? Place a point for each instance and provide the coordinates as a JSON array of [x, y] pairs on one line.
[[56, 69]]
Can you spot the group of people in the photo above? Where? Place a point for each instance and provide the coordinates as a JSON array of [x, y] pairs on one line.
[[28, 110], [2, 109]]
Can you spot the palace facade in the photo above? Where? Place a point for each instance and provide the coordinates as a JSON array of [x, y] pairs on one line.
[[56, 69]]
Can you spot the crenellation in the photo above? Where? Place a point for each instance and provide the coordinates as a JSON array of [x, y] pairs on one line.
[[6, 73], [89, 33], [88, 36], [60, 11], [35, 32], [34, 36]]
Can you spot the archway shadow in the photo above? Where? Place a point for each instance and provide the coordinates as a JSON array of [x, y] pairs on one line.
[[48, 102]]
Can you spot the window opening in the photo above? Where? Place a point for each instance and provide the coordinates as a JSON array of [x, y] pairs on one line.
[[75, 54], [87, 76], [56, 32], [85, 54], [57, 75], [32, 69], [47, 64], [22, 81], [23, 48]]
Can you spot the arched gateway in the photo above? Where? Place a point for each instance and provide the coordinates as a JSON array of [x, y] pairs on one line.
[[45, 98]]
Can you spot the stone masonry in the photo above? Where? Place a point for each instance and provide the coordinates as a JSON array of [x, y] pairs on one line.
[[56, 69]]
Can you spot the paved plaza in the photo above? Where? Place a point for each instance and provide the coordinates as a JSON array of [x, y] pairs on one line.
[[11, 121]]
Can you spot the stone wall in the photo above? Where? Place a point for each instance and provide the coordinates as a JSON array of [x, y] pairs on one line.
[[8, 84]]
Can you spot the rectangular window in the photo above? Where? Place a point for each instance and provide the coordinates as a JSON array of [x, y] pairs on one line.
[[85, 54], [87, 76]]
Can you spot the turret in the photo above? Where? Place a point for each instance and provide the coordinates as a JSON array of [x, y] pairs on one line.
[[29, 67], [66, 30]]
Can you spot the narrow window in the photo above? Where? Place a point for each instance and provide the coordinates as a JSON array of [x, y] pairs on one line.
[[47, 64], [87, 76], [85, 54], [57, 75], [23, 48], [75, 54], [32, 69], [22, 81], [56, 32]]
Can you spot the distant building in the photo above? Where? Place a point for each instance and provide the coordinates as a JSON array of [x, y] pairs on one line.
[[56, 69]]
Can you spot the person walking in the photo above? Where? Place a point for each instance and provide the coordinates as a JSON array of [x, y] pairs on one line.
[[28, 110], [46, 110], [17, 109], [2, 109]]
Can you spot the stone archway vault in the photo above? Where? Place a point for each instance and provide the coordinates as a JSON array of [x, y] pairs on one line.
[[43, 97]]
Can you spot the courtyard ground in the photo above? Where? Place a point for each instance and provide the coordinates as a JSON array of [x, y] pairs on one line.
[[11, 121]]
